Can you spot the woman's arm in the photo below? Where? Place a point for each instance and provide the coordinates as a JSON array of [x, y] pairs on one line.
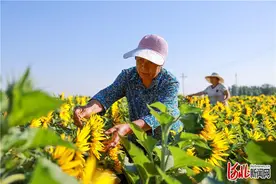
[[197, 94], [226, 95], [102, 100]]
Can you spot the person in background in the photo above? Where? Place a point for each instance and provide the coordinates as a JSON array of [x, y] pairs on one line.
[[216, 92], [144, 84]]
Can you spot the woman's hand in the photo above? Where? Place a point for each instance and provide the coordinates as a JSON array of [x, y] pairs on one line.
[[79, 113], [86, 111], [117, 131]]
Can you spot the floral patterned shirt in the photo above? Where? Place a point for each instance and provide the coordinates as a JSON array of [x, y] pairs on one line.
[[164, 88]]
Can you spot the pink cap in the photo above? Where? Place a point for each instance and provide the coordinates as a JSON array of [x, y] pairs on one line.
[[152, 47]]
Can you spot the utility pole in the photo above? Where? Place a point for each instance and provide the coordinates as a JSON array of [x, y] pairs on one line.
[[183, 78]]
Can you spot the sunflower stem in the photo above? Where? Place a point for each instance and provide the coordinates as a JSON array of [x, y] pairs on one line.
[[164, 147]]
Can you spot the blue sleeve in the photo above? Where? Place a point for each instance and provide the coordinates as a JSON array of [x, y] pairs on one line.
[[168, 96], [113, 92]]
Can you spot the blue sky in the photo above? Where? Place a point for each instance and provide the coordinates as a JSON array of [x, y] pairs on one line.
[[77, 47]]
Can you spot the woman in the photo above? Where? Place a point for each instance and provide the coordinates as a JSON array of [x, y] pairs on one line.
[[144, 84], [216, 92]]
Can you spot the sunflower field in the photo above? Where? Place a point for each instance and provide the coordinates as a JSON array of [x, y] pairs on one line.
[[40, 143]]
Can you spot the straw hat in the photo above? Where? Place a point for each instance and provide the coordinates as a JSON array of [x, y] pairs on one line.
[[221, 80]]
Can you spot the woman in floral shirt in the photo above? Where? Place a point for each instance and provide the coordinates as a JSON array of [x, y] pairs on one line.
[[144, 84]]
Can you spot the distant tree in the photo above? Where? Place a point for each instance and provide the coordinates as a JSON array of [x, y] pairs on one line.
[[266, 89]]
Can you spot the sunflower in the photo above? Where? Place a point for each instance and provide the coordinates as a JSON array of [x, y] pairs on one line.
[[66, 161], [35, 123], [82, 143], [218, 143], [229, 134], [254, 122], [46, 120], [261, 112], [268, 125], [115, 113], [81, 100], [70, 100], [113, 154], [61, 96], [256, 135], [248, 110], [82, 139], [97, 135], [191, 151], [65, 158], [228, 111], [236, 119], [65, 114], [270, 138], [92, 175], [209, 129]]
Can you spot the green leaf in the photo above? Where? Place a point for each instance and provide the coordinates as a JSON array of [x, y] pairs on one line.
[[3, 101], [168, 179], [24, 80], [192, 139], [199, 177], [184, 179], [202, 144], [47, 172], [182, 159], [184, 144], [131, 177], [261, 152], [144, 166], [147, 142], [190, 122], [185, 109], [221, 173], [162, 118], [37, 137], [158, 152], [184, 136], [12, 139], [159, 106], [31, 105], [189, 171]]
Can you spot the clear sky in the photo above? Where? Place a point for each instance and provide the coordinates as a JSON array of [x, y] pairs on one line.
[[78, 47]]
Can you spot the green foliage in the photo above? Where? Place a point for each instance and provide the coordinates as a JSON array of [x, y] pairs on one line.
[[182, 159], [146, 141], [30, 105], [37, 137], [47, 172], [261, 152], [186, 109], [166, 155], [143, 164], [22, 146], [168, 179], [162, 117]]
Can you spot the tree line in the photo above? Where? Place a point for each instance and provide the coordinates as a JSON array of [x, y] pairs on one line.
[[265, 89]]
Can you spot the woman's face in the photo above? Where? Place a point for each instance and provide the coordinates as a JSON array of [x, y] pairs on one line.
[[214, 80], [146, 69]]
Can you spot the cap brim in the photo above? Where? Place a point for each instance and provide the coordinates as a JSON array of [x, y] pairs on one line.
[[148, 54]]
